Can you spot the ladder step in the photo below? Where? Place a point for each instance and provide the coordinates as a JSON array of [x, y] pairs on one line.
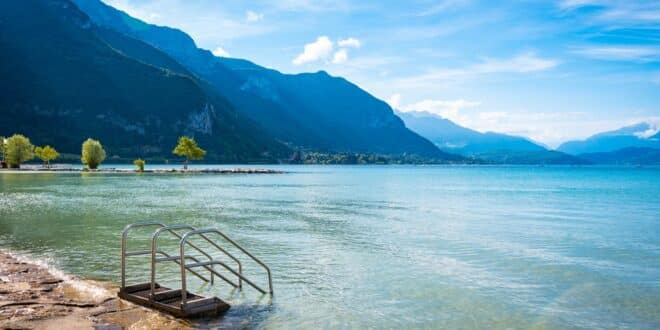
[[199, 302], [202, 264], [138, 253], [164, 295], [139, 287], [170, 258]]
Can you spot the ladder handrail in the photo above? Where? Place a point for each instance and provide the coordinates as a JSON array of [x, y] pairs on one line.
[[218, 262], [201, 232], [125, 254], [154, 240], [124, 233], [172, 229]]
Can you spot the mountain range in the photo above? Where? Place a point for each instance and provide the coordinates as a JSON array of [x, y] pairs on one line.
[[70, 74], [74, 69], [637, 144], [489, 147], [641, 135], [309, 111], [62, 82], [625, 156]]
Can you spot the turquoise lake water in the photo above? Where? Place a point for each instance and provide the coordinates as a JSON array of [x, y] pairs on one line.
[[377, 246]]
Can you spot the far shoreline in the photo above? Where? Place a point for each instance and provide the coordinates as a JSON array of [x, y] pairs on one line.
[[146, 171]]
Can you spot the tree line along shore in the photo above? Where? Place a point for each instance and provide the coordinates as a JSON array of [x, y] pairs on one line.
[[18, 149]]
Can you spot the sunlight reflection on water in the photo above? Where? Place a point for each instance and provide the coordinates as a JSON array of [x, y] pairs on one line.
[[378, 246]]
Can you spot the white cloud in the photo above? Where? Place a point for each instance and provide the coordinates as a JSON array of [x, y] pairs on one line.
[[493, 115], [447, 109], [442, 6], [314, 5], [315, 51], [323, 49], [616, 14], [340, 56], [646, 134], [350, 42], [526, 62], [251, 16], [633, 15], [653, 129], [522, 64], [622, 53], [211, 25], [552, 128], [570, 4], [219, 51], [394, 101]]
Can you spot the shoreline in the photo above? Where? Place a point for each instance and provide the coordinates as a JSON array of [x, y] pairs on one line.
[[150, 171], [33, 296]]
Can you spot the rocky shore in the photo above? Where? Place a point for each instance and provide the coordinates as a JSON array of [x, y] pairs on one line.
[[32, 297]]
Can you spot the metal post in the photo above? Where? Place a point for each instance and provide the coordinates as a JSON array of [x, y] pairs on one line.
[[124, 234], [153, 266], [123, 260], [184, 292]]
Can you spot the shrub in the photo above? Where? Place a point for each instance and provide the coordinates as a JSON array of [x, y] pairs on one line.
[[92, 154], [46, 154], [3, 143], [188, 148], [18, 149], [140, 164]]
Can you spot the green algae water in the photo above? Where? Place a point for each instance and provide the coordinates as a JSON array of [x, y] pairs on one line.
[[375, 246]]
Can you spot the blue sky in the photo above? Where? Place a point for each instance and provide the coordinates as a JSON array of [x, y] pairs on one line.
[[548, 70]]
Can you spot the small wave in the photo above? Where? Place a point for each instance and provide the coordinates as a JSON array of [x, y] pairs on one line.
[[85, 288]]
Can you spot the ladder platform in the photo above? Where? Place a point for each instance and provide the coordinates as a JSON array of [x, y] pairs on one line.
[[169, 301]]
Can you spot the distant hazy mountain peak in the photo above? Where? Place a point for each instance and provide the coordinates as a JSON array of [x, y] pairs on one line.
[[452, 137], [639, 135], [642, 130], [638, 129]]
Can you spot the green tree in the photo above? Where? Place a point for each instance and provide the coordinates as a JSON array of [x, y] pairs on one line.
[[140, 164], [46, 154], [188, 148], [3, 143], [92, 153], [18, 149]]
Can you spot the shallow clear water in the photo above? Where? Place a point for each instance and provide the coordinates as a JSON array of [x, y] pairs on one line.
[[378, 247]]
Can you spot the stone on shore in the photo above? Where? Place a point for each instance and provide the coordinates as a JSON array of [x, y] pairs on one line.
[[33, 298]]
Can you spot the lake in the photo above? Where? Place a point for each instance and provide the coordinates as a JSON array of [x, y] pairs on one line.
[[376, 246]]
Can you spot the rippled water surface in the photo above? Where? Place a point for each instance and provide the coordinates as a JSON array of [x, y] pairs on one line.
[[378, 247]]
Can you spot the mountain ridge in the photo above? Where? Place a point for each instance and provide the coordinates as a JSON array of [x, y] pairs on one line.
[[625, 156], [310, 111], [62, 83]]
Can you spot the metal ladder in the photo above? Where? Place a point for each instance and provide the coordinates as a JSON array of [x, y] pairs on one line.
[[151, 294]]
